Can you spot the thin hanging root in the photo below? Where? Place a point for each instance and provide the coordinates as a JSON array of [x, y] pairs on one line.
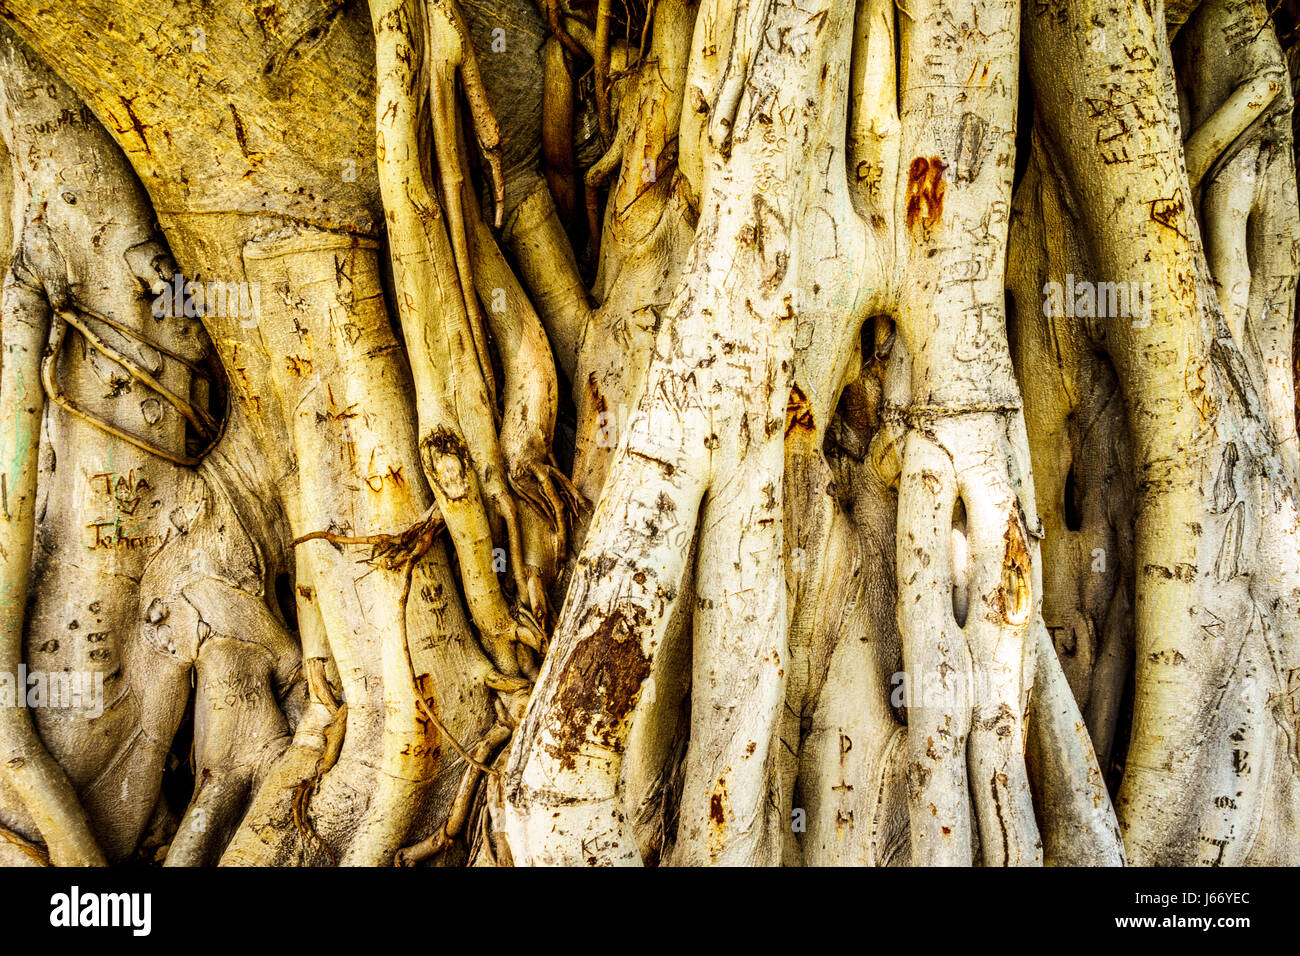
[[451, 828], [33, 774], [551, 492], [604, 15], [391, 551], [450, 51], [486, 130], [645, 29], [603, 168], [410, 669], [199, 418], [551, 14], [131, 333], [334, 735], [35, 851]]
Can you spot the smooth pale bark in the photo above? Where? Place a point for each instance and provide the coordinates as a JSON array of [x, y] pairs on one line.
[[1211, 754]]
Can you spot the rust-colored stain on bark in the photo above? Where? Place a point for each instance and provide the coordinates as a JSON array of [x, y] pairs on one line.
[[597, 399], [432, 750], [925, 188], [600, 684], [716, 813], [1014, 591], [798, 411]]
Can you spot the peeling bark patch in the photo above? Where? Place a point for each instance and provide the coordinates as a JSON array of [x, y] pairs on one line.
[[447, 461], [925, 189], [970, 141], [600, 685], [1014, 591]]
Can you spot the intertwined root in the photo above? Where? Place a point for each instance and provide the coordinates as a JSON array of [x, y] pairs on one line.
[[1203, 372], [390, 551], [442, 253], [34, 286], [966, 615], [703, 510], [454, 825]]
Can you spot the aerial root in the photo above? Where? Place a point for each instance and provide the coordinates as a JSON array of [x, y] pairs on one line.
[[34, 850], [603, 168], [334, 735], [550, 491], [451, 49], [551, 14], [319, 686], [425, 709], [196, 416], [72, 314], [391, 551], [486, 130], [452, 827], [508, 720], [604, 15]]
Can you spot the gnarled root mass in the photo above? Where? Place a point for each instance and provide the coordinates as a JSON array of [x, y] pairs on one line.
[[750, 437]]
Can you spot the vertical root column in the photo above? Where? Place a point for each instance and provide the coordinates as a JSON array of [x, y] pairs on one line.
[[357, 469], [41, 783]]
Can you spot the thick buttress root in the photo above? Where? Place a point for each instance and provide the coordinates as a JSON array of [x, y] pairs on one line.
[[400, 553], [35, 286], [1205, 618]]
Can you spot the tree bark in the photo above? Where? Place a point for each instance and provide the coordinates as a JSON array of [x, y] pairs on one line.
[[700, 432]]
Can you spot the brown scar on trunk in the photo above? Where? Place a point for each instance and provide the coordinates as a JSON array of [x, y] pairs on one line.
[[601, 684], [925, 189]]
